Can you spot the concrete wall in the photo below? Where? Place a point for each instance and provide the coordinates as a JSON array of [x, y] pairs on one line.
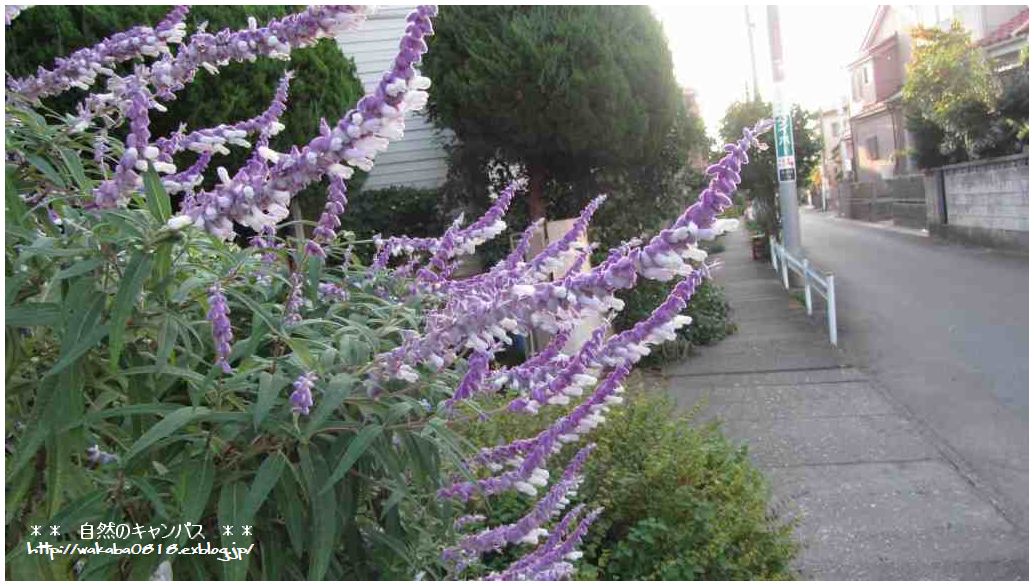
[[981, 202], [419, 158], [900, 199]]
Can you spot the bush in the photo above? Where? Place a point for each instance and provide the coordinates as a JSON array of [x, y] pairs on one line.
[[395, 211], [958, 107], [109, 348], [679, 502], [710, 313], [325, 82], [161, 375], [391, 211]]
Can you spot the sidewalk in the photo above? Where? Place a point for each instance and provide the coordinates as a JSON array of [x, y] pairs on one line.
[[873, 495]]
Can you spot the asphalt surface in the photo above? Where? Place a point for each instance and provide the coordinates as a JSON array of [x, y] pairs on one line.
[[944, 329], [874, 489]]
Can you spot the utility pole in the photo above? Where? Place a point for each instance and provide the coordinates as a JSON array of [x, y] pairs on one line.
[[753, 59], [786, 166]]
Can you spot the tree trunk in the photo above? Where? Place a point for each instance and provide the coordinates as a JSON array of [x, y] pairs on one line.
[[536, 187]]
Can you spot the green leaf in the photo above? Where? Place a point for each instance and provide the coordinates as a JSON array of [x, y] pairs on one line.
[[79, 268], [266, 478], [57, 463], [125, 300], [339, 387], [74, 164], [16, 208], [47, 169], [355, 450], [269, 387], [195, 487], [82, 346], [27, 315], [157, 199], [164, 428], [231, 513], [325, 524], [289, 507]]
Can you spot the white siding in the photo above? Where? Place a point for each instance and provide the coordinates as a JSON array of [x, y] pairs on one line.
[[418, 159]]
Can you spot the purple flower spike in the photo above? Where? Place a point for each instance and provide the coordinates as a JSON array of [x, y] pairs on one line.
[[331, 293], [527, 529], [97, 456], [551, 561], [222, 333], [301, 396], [11, 12], [326, 229], [262, 195], [477, 369], [80, 69], [293, 305]]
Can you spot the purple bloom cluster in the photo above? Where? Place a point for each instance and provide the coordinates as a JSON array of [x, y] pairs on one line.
[[473, 318], [295, 298], [526, 457], [95, 455], [331, 293], [261, 195], [222, 333], [80, 69], [477, 369], [214, 140], [11, 12], [301, 396], [552, 560], [326, 229], [527, 529]]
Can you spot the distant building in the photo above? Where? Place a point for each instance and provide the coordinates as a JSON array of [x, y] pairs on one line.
[[419, 158], [1004, 42], [837, 150], [697, 158], [881, 142]]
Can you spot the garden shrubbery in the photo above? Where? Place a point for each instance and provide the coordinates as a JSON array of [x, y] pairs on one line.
[[708, 308], [680, 502], [168, 375]]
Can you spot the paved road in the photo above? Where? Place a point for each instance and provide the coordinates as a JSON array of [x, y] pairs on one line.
[[944, 329], [876, 495]]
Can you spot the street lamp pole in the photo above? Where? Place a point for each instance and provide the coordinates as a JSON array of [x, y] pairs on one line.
[[786, 167], [753, 61]]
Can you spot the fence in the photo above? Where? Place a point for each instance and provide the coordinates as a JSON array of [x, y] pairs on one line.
[[783, 262], [982, 202]]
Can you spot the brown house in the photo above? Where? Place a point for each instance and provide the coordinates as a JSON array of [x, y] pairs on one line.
[[881, 142]]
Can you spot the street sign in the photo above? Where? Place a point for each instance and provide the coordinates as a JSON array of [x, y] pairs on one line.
[[786, 166]]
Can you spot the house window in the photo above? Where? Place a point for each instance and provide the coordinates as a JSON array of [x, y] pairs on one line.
[[836, 130], [872, 146], [865, 75]]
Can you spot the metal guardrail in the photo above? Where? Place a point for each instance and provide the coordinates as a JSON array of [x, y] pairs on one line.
[[783, 262]]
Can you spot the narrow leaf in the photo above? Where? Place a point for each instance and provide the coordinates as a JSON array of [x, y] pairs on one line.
[[165, 428], [265, 479], [355, 450]]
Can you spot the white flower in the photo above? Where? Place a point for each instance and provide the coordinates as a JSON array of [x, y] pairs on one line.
[[526, 488], [523, 290], [179, 222]]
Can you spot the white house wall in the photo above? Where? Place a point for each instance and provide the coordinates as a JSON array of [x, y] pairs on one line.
[[418, 159]]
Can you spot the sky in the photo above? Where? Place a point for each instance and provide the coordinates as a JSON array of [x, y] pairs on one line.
[[711, 54]]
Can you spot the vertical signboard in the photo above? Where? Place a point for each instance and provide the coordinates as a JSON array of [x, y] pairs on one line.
[[786, 165]]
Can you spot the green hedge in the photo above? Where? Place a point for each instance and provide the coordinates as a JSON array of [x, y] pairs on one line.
[[681, 502], [707, 307]]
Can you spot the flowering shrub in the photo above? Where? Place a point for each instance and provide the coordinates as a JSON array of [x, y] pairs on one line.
[[707, 308], [679, 501], [160, 373]]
